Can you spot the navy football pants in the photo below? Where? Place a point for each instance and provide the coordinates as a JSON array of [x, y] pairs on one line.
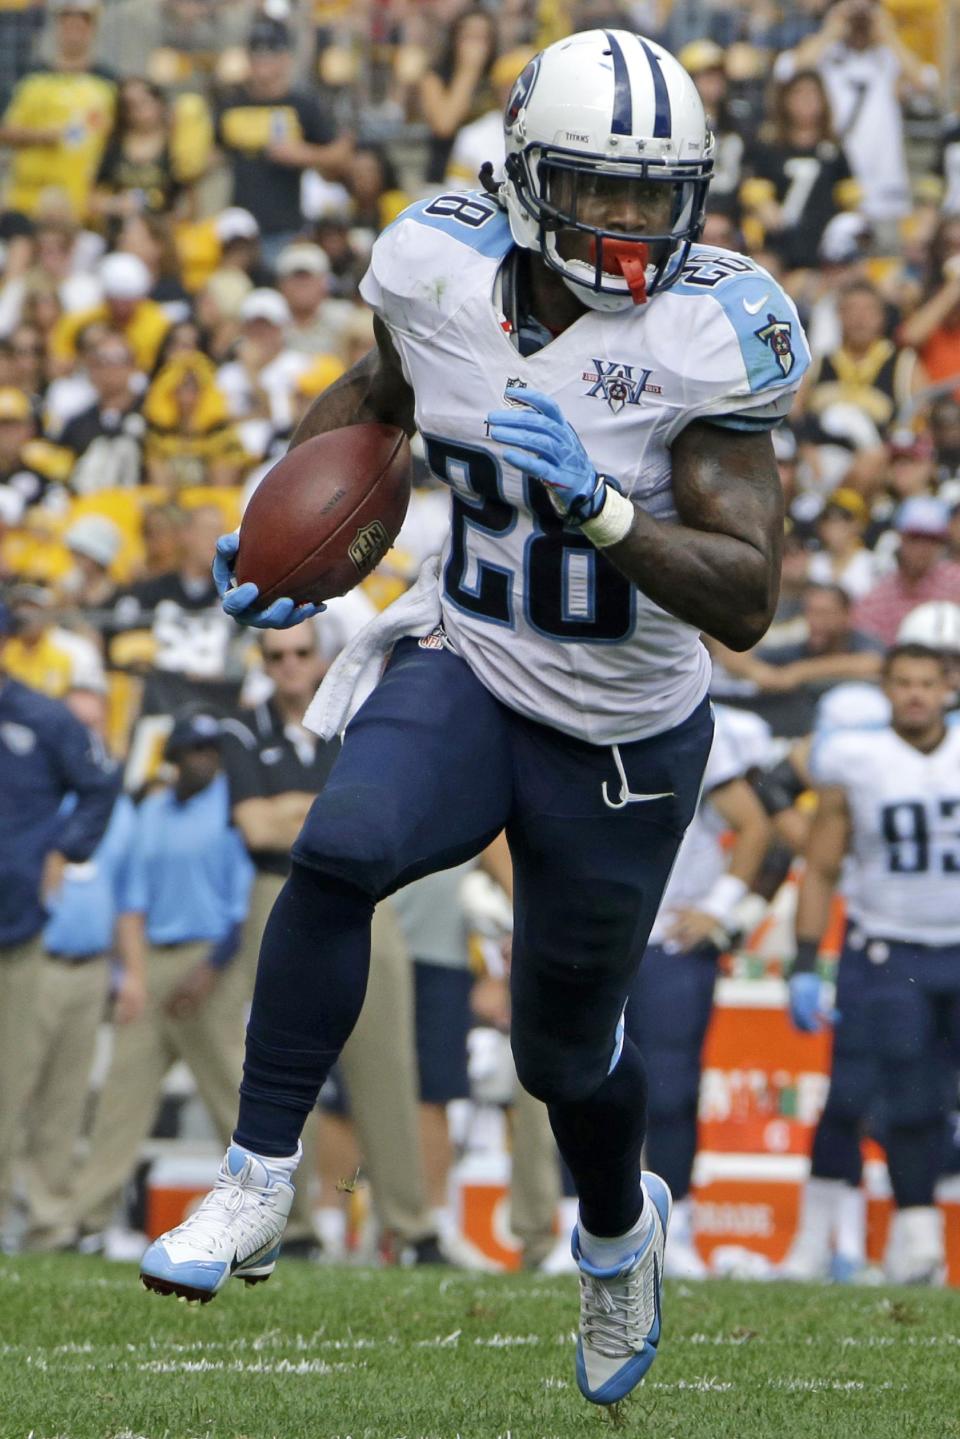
[[432, 768], [895, 1055], [667, 1018]]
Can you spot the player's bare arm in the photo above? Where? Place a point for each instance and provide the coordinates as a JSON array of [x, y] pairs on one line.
[[743, 814], [373, 390], [829, 838], [719, 568]]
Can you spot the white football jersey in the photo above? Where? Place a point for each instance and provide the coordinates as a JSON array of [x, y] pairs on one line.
[[905, 818], [542, 617], [701, 859]]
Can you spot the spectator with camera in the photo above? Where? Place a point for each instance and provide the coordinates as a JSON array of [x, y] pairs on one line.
[[867, 71], [59, 117], [457, 88], [271, 132], [934, 327]]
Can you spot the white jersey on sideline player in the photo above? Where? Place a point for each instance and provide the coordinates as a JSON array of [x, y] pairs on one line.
[[701, 859], [723, 343], [905, 820]]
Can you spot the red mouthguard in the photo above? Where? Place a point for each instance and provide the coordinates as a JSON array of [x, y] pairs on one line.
[[628, 258]]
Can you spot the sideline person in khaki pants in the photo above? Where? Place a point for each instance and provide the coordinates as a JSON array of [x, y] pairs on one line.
[[72, 1000], [45, 753]]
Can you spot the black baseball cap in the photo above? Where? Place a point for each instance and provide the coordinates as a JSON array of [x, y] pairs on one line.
[[269, 34], [194, 730]]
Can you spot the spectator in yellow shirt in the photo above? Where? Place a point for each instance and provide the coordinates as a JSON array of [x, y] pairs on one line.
[[44, 655], [58, 119], [126, 307], [190, 437]]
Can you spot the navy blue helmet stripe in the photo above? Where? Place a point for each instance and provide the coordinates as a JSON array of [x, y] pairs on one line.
[[661, 96], [622, 122]]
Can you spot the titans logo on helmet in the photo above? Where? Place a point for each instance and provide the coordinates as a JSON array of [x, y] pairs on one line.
[[520, 94]]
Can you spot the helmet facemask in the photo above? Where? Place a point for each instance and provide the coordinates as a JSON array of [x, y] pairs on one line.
[[615, 230]]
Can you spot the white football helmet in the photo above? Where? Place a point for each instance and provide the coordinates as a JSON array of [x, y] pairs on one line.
[[935, 624], [597, 120]]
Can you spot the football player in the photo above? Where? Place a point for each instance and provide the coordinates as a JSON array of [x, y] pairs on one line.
[[831, 1233], [889, 800], [597, 390]]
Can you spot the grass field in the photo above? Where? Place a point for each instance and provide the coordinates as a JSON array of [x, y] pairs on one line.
[[332, 1353]]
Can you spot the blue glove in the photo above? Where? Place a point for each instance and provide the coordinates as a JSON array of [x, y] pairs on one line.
[[806, 1008], [238, 600], [551, 451]]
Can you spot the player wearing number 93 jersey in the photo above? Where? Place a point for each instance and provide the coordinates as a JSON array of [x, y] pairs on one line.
[[596, 388], [889, 797]]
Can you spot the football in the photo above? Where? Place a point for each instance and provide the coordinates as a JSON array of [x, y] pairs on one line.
[[326, 514]]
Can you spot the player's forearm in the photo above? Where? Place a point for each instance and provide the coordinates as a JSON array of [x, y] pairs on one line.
[[749, 849], [809, 52], [498, 864], [813, 904], [863, 666], [721, 585], [270, 825], [130, 942], [19, 137], [921, 324]]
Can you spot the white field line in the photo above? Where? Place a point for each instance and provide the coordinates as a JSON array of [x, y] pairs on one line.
[[237, 1366]]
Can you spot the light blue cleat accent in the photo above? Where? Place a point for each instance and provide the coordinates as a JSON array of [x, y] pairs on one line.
[[620, 1308], [234, 1232]]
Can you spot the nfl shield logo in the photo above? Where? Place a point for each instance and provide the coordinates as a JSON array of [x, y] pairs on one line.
[[369, 546]]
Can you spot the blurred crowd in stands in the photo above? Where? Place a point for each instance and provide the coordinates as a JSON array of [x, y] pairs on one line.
[[190, 192]]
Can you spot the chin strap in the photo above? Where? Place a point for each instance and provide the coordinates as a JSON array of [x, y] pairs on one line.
[[628, 258]]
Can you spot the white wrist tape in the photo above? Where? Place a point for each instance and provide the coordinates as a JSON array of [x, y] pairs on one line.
[[723, 898], [613, 521]]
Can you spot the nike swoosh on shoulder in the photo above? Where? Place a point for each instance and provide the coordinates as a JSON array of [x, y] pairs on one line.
[[755, 309]]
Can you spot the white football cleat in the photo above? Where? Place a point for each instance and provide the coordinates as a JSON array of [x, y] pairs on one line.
[[234, 1231], [681, 1259], [811, 1252], [620, 1308], [915, 1248]]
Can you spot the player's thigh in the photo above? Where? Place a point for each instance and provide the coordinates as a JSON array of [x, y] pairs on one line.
[[903, 1018], [947, 961], [855, 1062], [422, 782], [590, 869], [900, 1013], [589, 875], [855, 971]]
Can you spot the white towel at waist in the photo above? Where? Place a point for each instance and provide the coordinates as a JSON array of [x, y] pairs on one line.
[[356, 669]]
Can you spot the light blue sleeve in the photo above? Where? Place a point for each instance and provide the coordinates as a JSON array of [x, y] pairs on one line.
[[746, 352], [132, 888]]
